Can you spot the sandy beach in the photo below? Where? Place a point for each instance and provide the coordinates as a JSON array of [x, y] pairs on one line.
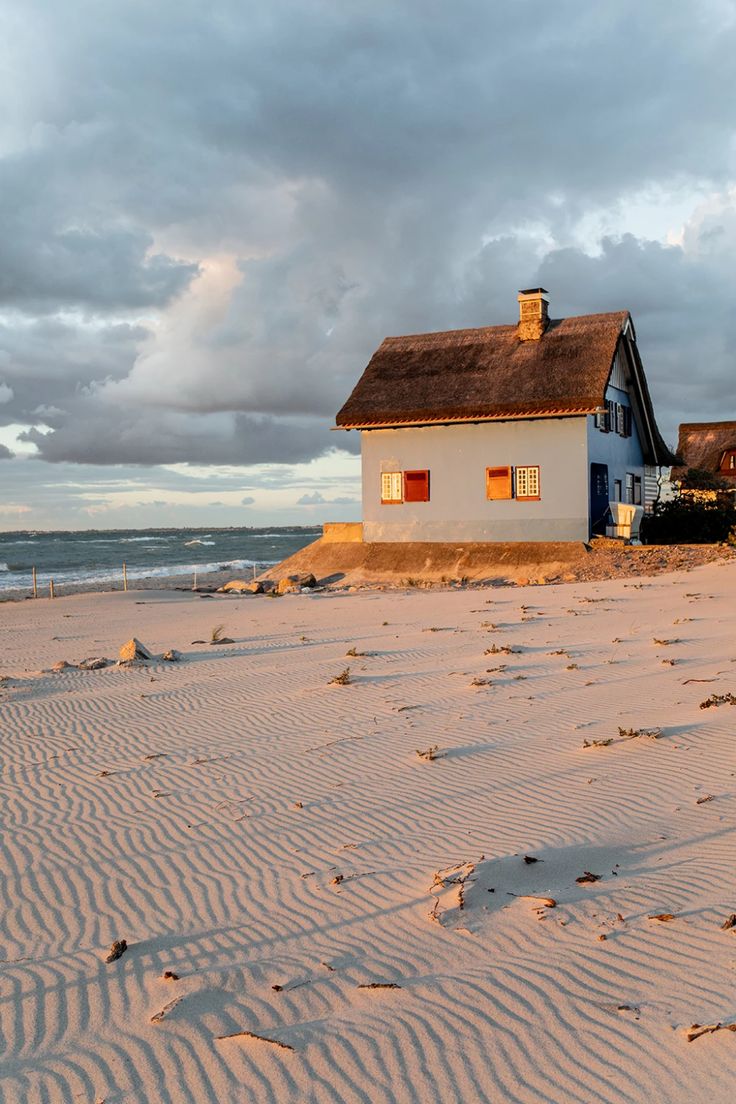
[[493, 863]]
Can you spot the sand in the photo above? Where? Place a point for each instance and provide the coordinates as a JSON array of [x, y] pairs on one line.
[[276, 842]]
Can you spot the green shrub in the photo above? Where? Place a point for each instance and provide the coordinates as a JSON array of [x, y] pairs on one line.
[[687, 520]]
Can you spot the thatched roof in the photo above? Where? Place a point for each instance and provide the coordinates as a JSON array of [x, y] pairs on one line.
[[490, 374], [702, 445]]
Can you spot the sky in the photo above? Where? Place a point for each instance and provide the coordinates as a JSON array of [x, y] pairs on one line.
[[212, 214]]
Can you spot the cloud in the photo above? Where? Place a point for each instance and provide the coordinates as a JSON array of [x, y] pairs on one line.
[[247, 501], [318, 499], [5, 453], [202, 247]]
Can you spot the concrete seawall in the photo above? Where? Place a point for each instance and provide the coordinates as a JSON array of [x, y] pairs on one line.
[[352, 561]]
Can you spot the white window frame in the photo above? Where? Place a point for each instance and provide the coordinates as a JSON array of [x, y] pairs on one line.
[[392, 488], [527, 483]]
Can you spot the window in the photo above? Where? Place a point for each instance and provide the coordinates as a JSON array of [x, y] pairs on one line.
[[629, 488], [416, 486], [499, 483], [637, 490], [616, 418], [527, 482], [391, 487], [617, 490]]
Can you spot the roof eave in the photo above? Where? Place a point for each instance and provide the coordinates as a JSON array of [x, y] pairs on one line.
[[466, 419]]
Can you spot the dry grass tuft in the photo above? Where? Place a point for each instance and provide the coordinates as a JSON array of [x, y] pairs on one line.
[[718, 699], [430, 753], [343, 679], [633, 733]]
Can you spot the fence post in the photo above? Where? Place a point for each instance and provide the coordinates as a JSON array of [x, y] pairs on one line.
[[125, 575], [51, 589], [35, 583]]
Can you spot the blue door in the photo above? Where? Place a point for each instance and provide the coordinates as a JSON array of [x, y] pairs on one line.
[[598, 498]]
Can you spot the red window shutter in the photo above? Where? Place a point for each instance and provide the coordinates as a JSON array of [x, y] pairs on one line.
[[498, 483], [416, 486]]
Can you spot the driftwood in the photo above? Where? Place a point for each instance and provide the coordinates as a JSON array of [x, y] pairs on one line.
[[157, 1017], [252, 1035], [547, 902], [697, 1030], [380, 985]]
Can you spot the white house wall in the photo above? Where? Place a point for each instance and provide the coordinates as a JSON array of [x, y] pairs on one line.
[[457, 457]]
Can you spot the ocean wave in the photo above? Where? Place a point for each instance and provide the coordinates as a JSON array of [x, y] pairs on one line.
[[4, 567], [188, 544], [78, 577]]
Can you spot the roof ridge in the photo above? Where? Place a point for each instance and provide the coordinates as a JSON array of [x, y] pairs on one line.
[[501, 327], [708, 425]]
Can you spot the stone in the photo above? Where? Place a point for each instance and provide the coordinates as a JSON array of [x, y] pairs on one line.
[[292, 584], [62, 665], [242, 586], [132, 651], [95, 663], [287, 585], [172, 656], [117, 950]]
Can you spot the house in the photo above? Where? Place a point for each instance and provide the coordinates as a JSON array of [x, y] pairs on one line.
[[708, 447], [521, 432]]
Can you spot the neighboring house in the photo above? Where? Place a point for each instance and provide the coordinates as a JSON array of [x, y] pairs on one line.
[[707, 446], [505, 433]]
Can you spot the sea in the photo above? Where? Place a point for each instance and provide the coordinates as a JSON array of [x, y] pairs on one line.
[[90, 558]]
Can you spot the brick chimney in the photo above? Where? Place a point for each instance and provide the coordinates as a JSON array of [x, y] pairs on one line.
[[533, 316]]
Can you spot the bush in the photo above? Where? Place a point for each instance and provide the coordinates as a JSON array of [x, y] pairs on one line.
[[699, 479], [688, 520]]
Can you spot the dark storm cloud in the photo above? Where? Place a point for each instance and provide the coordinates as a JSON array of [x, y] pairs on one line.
[[349, 161], [152, 438]]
